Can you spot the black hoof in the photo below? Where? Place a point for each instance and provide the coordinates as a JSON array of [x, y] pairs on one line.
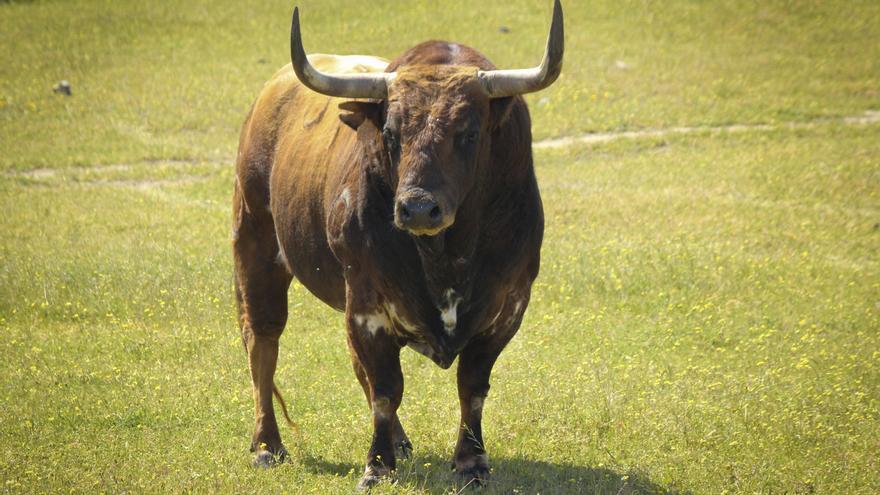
[[268, 459], [471, 471], [475, 477]]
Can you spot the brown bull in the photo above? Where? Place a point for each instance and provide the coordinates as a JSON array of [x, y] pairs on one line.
[[405, 198]]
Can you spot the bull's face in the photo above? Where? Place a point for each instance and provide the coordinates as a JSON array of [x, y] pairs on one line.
[[437, 123], [436, 131]]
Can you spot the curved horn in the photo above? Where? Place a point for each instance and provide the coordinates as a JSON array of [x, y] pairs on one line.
[[510, 82], [367, 85]]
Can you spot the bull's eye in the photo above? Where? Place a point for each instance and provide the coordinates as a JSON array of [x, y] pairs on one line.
[[468, 138]]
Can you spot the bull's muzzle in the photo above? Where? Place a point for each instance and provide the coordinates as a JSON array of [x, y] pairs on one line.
[[421, 213]]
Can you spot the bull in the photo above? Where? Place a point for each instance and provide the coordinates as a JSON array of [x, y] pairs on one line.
[[404, 195]]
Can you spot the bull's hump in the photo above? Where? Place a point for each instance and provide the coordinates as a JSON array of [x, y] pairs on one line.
[[347, 64]]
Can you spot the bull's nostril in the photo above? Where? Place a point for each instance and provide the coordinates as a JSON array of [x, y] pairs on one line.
[[418, 212]]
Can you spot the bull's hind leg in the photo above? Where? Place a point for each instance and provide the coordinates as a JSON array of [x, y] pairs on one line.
[[261, 285]]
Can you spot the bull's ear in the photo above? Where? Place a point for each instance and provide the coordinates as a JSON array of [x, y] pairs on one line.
[[500, 108], [356, 112]]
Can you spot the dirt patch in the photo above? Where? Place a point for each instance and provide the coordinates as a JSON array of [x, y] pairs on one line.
[[869, 117]]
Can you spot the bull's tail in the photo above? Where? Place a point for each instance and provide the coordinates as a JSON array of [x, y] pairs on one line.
[[290, 422]]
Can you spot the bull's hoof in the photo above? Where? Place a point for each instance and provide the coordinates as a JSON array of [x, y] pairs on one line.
[[368, 481], [372, 477], [474, 477], [472, 471], [403, 449], [267, 459]]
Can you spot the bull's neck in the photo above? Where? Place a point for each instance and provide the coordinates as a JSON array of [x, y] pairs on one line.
[[444, 268], [448, 258]]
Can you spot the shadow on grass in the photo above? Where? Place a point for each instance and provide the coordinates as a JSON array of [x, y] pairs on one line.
[[432, 474]]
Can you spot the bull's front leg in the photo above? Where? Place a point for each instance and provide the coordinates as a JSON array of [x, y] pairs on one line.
[[379, 356], [402, 446], [471, 461]]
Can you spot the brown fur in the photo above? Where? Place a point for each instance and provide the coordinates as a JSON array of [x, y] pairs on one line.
[[321, 182]]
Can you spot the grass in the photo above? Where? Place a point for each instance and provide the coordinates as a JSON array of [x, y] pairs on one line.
[[706, 318]]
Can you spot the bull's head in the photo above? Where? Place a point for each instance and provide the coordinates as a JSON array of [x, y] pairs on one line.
[[437, 122]]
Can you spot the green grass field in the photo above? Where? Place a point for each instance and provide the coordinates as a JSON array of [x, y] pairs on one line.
[[706, 321]]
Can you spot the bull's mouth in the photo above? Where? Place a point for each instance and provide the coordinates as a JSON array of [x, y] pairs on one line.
[[425, 232]]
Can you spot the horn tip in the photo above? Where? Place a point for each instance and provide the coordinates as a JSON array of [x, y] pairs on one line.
[[297, 53], [557, 26], [295, 31]]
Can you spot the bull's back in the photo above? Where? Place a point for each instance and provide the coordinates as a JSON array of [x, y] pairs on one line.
[[291, 156]]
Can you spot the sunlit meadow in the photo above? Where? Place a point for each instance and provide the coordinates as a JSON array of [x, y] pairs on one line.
[[706, 321]]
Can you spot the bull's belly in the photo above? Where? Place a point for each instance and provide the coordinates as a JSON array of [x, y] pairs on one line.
[[302, 238], [317, 270]]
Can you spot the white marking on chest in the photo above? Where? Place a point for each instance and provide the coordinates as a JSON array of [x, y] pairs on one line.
[[372, 322], [345, 197], [518, 309], [397, 318], [449, 311], [497, 315]]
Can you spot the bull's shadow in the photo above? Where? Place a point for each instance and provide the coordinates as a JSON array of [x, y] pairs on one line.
[[431, 473]]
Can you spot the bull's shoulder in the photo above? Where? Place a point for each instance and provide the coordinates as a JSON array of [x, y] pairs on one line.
[[283, 97], [358, 217], [286, 119]]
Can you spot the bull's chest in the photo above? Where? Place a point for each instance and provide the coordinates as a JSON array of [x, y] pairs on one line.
[[429, 294], [435, 327]]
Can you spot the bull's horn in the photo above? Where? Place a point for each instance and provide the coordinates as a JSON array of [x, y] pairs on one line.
[[367, 85], [501, 83]]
